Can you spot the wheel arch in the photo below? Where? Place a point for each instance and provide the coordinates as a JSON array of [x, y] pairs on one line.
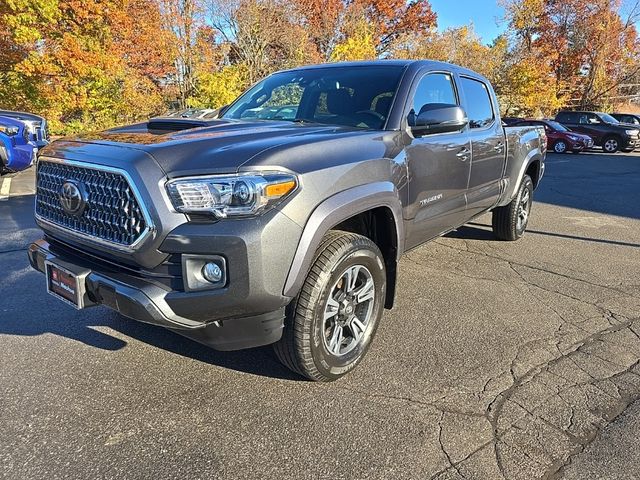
[[533, 163], [533, 170], [373, 210]]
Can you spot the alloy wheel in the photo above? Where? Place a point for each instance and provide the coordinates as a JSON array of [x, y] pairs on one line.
[[348, 311], [560, 147], [523, 210], [611, 145]]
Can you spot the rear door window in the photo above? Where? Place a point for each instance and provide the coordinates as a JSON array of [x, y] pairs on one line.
[[568, 117], [479, 105]]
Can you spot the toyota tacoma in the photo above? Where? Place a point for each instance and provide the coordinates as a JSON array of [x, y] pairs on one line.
[[283, 221]]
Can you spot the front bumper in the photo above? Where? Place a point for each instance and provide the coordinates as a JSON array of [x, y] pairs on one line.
[[148, 301], [580, 145], [631, 143]]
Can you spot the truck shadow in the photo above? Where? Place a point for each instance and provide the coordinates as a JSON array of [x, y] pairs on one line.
[[594, 182], [257, 361], [27, 310], [46, 315], [479, 231]]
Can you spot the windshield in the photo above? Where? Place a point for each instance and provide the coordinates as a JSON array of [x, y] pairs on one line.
[[558, 126], [608, 118], [358, 97]]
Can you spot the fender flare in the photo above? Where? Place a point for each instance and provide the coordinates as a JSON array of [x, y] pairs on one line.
[[335, 210], [512, 186]]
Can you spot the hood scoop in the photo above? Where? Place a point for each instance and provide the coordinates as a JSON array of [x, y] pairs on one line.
[[161, 126]]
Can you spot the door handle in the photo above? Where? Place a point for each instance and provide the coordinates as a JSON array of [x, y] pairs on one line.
[[463, 154], [499, 147]]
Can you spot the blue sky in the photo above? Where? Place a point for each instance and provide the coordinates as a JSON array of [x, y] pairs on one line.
[[483, 13], [486, 15]]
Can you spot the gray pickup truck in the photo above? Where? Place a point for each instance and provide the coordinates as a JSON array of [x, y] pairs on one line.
[[283, 221]]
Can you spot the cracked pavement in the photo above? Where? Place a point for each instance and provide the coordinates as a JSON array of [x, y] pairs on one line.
[[500, 361]]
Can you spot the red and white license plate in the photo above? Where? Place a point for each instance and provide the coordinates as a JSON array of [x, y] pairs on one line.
[[65, 285]]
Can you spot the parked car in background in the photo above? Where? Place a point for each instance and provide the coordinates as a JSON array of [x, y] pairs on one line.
[[36, 126], [511, 120], [606, 131], [17, 152], [628, 118], [559, 138]]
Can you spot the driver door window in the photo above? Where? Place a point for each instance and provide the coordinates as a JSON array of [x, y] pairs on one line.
[[433, 88]]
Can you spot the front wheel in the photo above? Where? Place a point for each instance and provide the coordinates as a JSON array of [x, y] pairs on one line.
[[331, 324], [510, 222], [611, 145], [560, 146]]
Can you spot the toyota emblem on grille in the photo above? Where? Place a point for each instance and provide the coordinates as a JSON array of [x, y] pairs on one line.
[[73, 198]]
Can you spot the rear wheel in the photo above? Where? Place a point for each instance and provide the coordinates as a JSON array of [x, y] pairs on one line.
[[331, 324], [510, 222], [611, 144]]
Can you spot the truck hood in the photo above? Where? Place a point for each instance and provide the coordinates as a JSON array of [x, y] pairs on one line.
[[221, 147]]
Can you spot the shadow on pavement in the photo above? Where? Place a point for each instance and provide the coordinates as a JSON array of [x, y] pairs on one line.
[[45, 317], [29, 311], [478, 231], [607, 184]]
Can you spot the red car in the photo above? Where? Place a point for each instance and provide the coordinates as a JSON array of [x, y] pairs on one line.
[[559, 138]]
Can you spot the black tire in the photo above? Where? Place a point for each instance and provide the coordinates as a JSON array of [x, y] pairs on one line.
[[507, 221], [560, 146], [303, 347], [611, 144]]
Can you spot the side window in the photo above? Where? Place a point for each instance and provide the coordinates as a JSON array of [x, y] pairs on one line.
[[568, 117], [433, 88], [584, 120], [479, 106]]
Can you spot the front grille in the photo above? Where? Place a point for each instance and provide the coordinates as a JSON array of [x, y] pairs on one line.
[[112, 212]]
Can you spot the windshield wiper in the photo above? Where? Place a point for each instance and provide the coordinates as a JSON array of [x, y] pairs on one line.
[[303, 121]]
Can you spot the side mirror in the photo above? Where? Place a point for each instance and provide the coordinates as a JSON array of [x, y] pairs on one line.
[[439, 118]]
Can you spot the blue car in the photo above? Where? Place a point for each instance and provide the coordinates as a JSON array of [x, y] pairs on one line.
[[37, 130], [17, 151]]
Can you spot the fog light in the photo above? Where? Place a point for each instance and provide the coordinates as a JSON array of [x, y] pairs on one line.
[[212, 272]]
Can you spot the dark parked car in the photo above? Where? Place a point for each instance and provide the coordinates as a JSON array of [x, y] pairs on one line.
[[606, 131], [559, 138], [17, 152], [36, 126], [283, 230], [511, 120], [628, 118]]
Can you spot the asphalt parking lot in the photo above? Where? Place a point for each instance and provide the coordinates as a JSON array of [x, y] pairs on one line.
[[501, 360]]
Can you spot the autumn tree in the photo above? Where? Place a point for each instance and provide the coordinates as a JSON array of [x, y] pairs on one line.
[[262, 34], [73, 69], [584, 44]]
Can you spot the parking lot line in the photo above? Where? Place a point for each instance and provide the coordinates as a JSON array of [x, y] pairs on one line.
[[5, 189]]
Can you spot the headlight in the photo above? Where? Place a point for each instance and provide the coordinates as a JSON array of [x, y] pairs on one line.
[[632, 133], [573, 137], [230, 195], [11, 131]]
